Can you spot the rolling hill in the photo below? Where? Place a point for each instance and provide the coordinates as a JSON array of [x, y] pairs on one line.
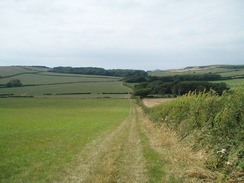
[[37, 82], [233, 74]]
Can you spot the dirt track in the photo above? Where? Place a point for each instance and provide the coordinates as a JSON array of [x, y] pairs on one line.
[[155, 101], [123, 156], [115, 157]]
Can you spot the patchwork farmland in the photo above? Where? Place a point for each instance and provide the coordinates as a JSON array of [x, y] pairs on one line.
[[40, 83], [61, 127]]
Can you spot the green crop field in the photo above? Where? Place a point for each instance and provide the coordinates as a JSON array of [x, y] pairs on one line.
[[236, 73], [233, 73], [224, 71], [39, 83], [8, 70], [97, 89], [232, 83], [39, 137], [50, 78]]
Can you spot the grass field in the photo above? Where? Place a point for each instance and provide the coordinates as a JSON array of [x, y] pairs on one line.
[[49, 138], [39, 137], [97, 89], [232, 83], [50, 78], [218, 69], [11, 70], [47, 84]]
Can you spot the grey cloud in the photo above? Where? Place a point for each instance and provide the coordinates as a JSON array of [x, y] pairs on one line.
[[126, 33]]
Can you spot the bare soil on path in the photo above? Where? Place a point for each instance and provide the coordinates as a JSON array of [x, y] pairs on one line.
[[151, 102], [137, 152]]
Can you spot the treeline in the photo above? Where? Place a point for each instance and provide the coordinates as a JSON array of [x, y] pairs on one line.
[[186, 77], [177, 88], [175, 85], [99, 71]]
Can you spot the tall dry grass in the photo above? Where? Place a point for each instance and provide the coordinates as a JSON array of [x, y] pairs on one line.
[[208, 121]]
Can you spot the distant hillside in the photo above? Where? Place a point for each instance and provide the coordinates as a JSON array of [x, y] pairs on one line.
[[181, 81], [35, 81], [232, 71], [8, 71]]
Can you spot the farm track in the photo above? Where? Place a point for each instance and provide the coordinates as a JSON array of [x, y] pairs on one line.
[[134, 152], [115, 157]]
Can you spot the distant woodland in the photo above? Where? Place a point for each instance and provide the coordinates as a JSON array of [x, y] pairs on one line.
[[154, 85], [176, 85], [99, 71]]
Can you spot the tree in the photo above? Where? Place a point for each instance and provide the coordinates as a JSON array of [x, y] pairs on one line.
[[14, 83], [142, 92]]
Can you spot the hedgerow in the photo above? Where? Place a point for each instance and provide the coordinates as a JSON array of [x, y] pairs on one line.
[[210, 121]]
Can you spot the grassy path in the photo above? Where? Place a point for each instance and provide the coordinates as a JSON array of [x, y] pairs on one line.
[[121, 156], [115, 157], [134, 152]]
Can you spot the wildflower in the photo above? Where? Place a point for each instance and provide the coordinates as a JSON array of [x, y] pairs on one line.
[[222, 151]]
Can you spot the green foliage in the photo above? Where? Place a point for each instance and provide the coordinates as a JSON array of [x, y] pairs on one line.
[[214, 121], [187, 77], [134, 79], [179, 84], [142, 92], [181, 87], [99, 71], [14, 83]]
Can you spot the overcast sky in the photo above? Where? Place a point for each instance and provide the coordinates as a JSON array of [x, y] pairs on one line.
[[128, 34]]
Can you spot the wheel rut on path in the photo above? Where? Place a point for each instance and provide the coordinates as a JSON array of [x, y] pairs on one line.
[[137, 151], [113, 157]]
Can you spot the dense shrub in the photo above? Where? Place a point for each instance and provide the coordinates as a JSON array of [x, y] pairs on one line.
[[181, 87], [211, 121], [14, 83]]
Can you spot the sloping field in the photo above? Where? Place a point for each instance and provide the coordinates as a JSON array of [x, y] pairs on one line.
[[13, 70], [232, 83], [40, 83], [50, 78], [84, 90], [236, 73], [218, 69]]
